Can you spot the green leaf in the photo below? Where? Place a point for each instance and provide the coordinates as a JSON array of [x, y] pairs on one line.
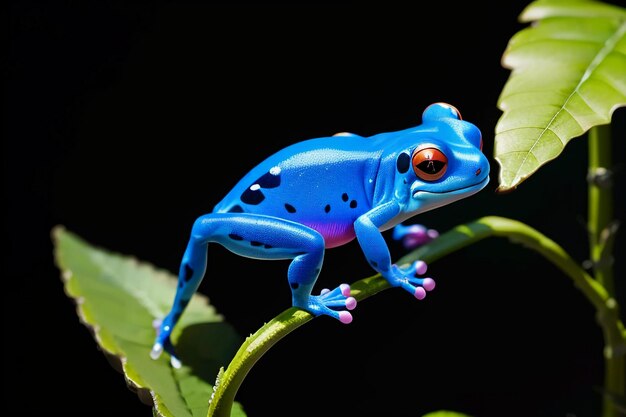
[[568, 75], [118, 298], [445, 413]]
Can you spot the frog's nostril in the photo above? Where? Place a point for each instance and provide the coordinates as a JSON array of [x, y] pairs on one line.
[[478, 172]]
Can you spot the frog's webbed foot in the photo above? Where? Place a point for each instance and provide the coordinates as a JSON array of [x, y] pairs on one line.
[[407, 279], [333, 303], [414, 235], [164, 343]]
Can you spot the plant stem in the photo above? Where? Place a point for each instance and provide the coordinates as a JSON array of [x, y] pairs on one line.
[[600, 205], [602, 228], [461, 236], [255, 346], [249, 353]]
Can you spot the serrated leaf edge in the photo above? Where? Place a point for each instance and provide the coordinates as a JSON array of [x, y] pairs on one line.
[[609, 45], [117, 360]]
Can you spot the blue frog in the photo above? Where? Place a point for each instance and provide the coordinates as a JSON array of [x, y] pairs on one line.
[[322, 193]]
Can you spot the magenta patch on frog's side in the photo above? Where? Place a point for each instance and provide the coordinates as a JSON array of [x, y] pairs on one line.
[[335, 234]]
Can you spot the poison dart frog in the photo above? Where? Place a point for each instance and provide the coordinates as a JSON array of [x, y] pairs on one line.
[[322, 193]]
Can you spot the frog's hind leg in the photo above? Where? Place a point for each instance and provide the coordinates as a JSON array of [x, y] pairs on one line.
[[260, 237]]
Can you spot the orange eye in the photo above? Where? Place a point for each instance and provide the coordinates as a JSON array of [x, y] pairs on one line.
[[429, 164]]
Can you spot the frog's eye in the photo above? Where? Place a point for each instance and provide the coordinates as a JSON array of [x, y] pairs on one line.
[[437, 111], [429, 164], [453, 110]]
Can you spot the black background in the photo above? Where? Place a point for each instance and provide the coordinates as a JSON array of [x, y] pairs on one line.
[[126, 121]]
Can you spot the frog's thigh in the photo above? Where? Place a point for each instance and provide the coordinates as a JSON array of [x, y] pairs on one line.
[[259, 236], [266, 237]]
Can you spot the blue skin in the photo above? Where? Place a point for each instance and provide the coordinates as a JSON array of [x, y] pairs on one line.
[[322, 193]]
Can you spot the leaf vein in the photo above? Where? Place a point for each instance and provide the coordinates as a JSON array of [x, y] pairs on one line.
[[608, 84], [542, 128], [179, 389]]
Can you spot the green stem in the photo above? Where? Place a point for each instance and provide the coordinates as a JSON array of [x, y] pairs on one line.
[[602, 228], [600, 205], [461, 236], [255, 346]]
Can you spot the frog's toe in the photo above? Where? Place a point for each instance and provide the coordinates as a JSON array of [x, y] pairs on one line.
[[163, 342], [157, 350], [348, 302], [418, 267], [407, 279], [419, 293], [345, 317], [175, 362], [419, 286], [339, 298], [156, 325], [428, 284], [345, 289], [341, 292], [414, 235], [334, 303], [165, 345]]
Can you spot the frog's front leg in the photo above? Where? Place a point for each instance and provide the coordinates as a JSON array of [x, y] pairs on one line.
[[260, 237], [367, 229]]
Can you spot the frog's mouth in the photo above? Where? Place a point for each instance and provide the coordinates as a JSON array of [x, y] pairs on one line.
[[456, 193]]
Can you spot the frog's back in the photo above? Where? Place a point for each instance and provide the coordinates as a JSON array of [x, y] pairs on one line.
[[324, 183]]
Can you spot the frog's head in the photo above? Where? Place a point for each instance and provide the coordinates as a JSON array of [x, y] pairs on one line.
[[440, 161]]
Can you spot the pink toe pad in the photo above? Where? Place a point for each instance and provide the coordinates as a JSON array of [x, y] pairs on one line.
[[420, 293], [428, 284], [350, 303], [345, 290], [420, 267], [345, 317]]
